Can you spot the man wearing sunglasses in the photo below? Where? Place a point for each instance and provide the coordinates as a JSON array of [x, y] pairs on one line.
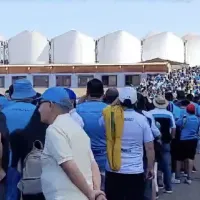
[[69, 170]]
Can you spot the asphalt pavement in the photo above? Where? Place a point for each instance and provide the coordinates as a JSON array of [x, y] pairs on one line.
[[183, 191]]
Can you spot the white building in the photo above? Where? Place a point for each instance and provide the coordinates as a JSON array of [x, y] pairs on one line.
[[73, 47], [28, 47], [166, 46], [118, 47], [192, 49]]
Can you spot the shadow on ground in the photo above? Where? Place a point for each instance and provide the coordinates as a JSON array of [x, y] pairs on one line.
[[184, 191]]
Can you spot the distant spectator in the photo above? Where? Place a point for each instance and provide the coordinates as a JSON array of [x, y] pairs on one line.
[[91, 111]]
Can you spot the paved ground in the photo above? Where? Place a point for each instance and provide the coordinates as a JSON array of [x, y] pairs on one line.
[[184, 191]]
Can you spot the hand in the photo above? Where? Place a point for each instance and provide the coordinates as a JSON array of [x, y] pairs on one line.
[[150, 174], [97, 195], [101, 197]]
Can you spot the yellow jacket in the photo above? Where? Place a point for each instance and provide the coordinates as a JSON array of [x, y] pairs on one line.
[[114, 125]]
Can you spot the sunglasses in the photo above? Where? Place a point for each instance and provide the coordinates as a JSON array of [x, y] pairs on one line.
[[41, 101]]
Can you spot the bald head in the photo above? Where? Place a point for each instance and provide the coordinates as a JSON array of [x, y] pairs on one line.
[[110, 95]]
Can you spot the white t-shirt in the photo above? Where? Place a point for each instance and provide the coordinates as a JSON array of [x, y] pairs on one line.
[[76, 117], [136, 132], [65, 140]]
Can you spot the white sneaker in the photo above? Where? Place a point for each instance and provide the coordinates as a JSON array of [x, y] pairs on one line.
[[176, 181], [188, 181], [168, 191]]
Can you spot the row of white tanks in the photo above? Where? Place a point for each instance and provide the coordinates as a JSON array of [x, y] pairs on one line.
[[120, 47]]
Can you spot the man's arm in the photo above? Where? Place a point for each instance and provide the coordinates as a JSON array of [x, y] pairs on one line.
[[149, 147], [77, 178], [150, 154], [173, 126], [96, 177]]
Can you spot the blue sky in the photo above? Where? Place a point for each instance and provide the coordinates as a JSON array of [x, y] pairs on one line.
[[99, 17]]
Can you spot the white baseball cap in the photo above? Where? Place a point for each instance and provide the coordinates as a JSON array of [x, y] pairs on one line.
[[128, 93]]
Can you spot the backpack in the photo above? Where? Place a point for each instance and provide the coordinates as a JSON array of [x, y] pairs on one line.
[[30, 182]]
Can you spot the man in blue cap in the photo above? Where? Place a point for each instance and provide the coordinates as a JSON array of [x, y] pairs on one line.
[[69, 170], [73, 113]]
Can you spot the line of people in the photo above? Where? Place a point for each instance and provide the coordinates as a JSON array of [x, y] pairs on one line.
[[116, 145]]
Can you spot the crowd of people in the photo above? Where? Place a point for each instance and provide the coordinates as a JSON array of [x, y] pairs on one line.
[[131, 143]]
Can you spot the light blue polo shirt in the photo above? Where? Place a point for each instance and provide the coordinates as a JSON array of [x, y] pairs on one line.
[[91, 112], [197, 108], [189, 126]]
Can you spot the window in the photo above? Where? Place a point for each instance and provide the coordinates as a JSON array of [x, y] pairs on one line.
[[63, 80], [83, 79], [2, 81], [14, 78], [110, 80], [132, 80], [41, 81]]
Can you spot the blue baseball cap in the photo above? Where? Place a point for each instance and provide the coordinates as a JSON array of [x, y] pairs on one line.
[[71, 94], [58, 95]]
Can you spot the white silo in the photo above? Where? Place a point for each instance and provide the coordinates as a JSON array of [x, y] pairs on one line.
[[192, 49], [166, 46], [150, 34], [118, 47], [28, 47], [73, 47]]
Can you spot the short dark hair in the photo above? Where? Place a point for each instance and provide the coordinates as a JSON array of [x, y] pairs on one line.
[[185, 102], [95, 88], [180, 95], [169, 96], [10, 90], [141, 102], [111, 95], [190, 97], [127, 103]]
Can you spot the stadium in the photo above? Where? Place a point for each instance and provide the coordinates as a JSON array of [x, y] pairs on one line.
[[73, 58]]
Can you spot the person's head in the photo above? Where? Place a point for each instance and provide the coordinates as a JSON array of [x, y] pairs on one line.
[[23, 90], [180, 95], [190, 97], [185, 103], [191, 109], [110, 95], [140, 102], [128, 97], [54, 101], [169, 96], [72, 96], [95, 89], [160, 102]]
